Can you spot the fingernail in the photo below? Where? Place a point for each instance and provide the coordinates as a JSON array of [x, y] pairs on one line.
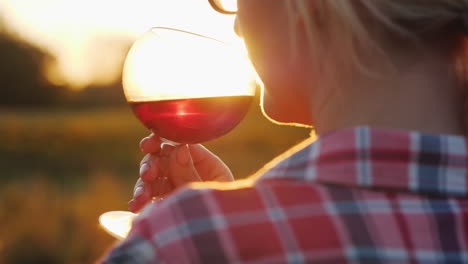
[[132, 205], [183, 156], [143, 143], [138, 192], [145, 167], [166, 149]]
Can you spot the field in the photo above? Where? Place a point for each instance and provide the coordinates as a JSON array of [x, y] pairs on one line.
[[60, 169]]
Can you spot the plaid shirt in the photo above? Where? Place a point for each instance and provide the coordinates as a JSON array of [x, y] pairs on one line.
[[358, 195]]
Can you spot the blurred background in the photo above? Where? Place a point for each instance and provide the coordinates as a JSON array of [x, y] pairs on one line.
[[68, 141]]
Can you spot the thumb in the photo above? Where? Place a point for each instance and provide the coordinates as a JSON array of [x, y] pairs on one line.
[[181, 168]]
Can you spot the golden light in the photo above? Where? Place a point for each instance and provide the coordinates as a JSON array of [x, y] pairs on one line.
[[169, 64], [75, 31], [117, 223]]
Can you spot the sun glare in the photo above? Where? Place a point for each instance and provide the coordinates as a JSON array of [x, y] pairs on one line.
[[167, 64], [72, 29]]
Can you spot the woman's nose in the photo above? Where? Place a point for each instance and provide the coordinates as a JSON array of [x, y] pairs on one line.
[[237, 28]]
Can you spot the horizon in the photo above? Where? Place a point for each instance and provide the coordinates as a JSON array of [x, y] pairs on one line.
[[88, 38]]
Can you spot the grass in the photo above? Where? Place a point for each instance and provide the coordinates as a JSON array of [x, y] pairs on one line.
[[60, 169]]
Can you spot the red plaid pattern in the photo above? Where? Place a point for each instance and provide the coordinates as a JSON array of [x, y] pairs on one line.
[[359, 195]]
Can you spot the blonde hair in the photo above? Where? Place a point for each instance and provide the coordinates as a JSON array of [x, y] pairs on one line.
[[375, 26]]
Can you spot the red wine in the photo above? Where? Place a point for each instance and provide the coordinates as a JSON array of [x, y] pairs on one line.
[[193, 120]]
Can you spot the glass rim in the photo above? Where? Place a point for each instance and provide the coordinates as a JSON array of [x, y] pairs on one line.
[[155, 29]]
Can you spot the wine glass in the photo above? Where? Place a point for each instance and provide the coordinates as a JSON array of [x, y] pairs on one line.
[[187, 89]]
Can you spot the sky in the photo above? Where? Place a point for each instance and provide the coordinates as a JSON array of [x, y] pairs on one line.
[[88, 36]]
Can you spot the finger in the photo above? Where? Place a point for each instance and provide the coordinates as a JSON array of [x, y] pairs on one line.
[[166, 149], [138, 184], [135, 206], [211, 167], [181, 169], [141, 196], [150, 144], [149, 167], [145, 192], [142, 191], [199, 153], [161, 187]]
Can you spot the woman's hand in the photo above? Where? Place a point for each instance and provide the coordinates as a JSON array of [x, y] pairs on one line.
[[164, 170]]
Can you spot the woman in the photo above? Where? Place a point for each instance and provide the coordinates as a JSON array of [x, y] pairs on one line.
[[383, 85]]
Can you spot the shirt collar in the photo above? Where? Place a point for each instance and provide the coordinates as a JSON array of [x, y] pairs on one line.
[[380, 158]]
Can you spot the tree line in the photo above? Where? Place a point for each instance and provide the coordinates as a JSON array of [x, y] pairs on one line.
[[24, 84]]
